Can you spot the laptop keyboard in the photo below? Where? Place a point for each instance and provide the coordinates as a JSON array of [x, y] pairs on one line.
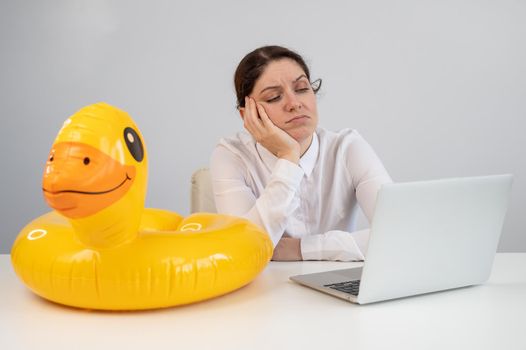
[[349, 287]]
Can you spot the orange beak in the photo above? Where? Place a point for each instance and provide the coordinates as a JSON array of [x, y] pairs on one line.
[[79, 180]]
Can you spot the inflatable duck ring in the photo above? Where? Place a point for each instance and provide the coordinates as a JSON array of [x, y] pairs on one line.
[[101, 249]]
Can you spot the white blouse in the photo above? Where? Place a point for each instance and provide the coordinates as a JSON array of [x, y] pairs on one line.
[[315, 200]]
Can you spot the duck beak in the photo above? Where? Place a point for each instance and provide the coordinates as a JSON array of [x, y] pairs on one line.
[[79, 180]]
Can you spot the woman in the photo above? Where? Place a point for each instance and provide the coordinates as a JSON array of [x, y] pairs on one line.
[[300, 182]]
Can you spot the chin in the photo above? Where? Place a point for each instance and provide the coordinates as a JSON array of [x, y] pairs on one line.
[[301, 135]]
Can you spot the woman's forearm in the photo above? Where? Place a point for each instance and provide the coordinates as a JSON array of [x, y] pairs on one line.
[[288, 249]]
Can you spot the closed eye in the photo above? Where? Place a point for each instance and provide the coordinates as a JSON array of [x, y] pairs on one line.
[[278, 97], [274, 99]]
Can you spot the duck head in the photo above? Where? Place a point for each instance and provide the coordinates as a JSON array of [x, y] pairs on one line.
[[96, 175]]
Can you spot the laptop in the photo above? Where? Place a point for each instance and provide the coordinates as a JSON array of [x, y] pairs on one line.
[[425, 236]]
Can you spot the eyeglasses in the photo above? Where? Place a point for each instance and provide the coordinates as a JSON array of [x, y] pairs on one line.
[[316, 85]]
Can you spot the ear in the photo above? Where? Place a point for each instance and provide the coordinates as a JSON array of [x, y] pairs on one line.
[[242, 112]]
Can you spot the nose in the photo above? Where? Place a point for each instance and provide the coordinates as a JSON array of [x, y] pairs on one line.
[[292, 103]]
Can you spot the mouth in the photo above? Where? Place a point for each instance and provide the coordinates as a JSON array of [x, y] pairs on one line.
[[76, 204], [78, 189], [87, 192], [298, 118]]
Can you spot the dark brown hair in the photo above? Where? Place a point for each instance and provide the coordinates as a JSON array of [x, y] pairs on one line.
[[254, 63]]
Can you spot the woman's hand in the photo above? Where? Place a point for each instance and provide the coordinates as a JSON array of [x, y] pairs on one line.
[[288, 249], [277, 141]]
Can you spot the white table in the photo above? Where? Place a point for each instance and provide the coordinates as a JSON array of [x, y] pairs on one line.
[[275, 313]]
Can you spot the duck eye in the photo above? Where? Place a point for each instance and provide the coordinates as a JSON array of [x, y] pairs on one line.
[[86, 161], [51, 158], [134, 144]]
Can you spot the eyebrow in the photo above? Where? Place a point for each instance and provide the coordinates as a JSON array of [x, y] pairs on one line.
[[277, 86]]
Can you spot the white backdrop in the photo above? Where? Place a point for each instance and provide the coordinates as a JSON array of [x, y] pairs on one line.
[[437, 87]]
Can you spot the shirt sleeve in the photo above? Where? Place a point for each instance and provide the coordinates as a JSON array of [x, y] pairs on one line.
[[234, 196], [335, 245], [367, 174]]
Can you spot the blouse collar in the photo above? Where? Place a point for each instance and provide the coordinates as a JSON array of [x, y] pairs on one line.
[[307, 161]]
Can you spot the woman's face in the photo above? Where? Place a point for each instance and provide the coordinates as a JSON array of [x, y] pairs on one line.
[[287, 96]]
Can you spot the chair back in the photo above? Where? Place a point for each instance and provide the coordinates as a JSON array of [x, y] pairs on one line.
[[202, 195]]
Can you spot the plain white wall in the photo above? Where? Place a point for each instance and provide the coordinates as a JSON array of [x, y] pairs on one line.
[[437, 87]]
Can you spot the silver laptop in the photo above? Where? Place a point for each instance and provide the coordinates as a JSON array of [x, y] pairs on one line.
[[425, 237]]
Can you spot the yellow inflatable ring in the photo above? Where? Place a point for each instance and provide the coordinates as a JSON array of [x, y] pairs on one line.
[[101, 249]]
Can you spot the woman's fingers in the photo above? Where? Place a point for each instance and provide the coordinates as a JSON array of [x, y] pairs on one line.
[[267, 123], [254, 122], [250, 118], [276, 140]]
